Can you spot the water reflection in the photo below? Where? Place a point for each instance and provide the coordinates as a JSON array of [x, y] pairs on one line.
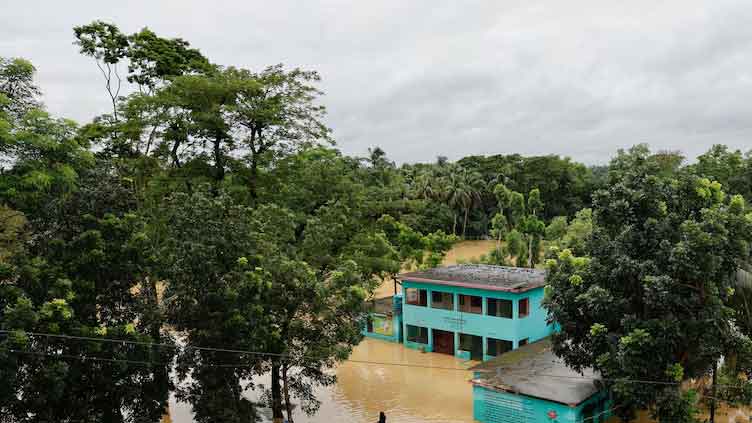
[[406, 394]]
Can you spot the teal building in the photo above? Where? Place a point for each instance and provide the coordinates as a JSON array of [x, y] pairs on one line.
[[384, 319], [473, 311], [531, 384]]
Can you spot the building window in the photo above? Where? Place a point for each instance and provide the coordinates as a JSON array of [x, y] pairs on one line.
[[524, 310], [443, 300], [523, 342], [471, 304], [417, 334], [472, 344], [500, 308], [416, 297], [498, 346]]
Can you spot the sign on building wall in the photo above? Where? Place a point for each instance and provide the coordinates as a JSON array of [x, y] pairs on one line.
[[455, 322], [382, 324]]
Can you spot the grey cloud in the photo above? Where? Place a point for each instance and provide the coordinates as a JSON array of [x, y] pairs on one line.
[[427, 78]]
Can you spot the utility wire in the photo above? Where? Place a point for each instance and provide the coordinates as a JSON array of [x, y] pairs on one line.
[[213, 349], [283, 356]]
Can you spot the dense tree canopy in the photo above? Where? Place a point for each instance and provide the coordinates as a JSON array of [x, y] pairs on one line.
[[651, 299]]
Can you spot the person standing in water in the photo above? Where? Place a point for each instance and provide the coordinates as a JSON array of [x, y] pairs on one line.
[[382, 417]]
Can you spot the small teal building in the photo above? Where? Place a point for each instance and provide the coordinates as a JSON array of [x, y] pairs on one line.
[[473, 311], [384, 319], [531, 384]]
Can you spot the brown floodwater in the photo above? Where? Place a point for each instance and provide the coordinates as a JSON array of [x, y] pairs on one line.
[[407, 394]]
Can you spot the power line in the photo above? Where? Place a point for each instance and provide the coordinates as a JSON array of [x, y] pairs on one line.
[[599, 414], [288, 356], [113, 360], [214, 349], [146, 344]]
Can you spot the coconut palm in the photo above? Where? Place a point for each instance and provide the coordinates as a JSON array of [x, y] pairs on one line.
[[465, 187]]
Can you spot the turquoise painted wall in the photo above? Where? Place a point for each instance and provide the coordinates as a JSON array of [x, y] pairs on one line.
[[396, 323], [491, 406], [532, 327]]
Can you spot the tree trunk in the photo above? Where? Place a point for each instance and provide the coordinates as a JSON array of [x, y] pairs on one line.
[[454, 224], [219, 166], [253, 182], [277, 416], [174, 154], [161, 373], [530, 251], [113, 414], [713, 393], [464, 224], [286, 392]]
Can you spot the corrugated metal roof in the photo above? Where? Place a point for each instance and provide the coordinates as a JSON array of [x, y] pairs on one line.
[[483, 276], [535, 371]]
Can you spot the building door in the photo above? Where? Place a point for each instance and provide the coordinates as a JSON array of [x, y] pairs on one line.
[[473, 344], [443, 342]]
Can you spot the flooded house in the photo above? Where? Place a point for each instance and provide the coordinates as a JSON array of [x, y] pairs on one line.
[[472, 311], [531, 384]]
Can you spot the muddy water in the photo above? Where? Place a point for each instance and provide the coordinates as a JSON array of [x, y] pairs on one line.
[[468, 250], [406, 394]]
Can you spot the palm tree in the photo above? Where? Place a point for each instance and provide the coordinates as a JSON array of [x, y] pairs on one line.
[[463, 192], [453, 192], [423, 186]]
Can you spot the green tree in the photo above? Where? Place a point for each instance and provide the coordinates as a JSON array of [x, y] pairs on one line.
[[556, 228], [731, 168], [578, 232], [18, 87], [76, 273], [651, 302], [276, 111], [104, 43], [216, 297]]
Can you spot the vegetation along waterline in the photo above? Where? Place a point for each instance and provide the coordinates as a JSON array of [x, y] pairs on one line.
[[222, 186]]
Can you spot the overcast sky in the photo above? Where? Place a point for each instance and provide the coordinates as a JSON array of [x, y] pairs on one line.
[[453, 78]]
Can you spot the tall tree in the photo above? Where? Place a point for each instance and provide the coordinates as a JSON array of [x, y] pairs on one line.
[[18, 87], [104, 43], [277, 113], [651, 302]]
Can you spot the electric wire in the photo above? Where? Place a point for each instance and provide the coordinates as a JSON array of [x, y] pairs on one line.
[[284, 356]]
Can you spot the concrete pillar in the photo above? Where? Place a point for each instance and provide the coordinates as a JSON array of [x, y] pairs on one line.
[[456, 342], [485, 345], [456, 301], [484, 306], [430, 339]]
